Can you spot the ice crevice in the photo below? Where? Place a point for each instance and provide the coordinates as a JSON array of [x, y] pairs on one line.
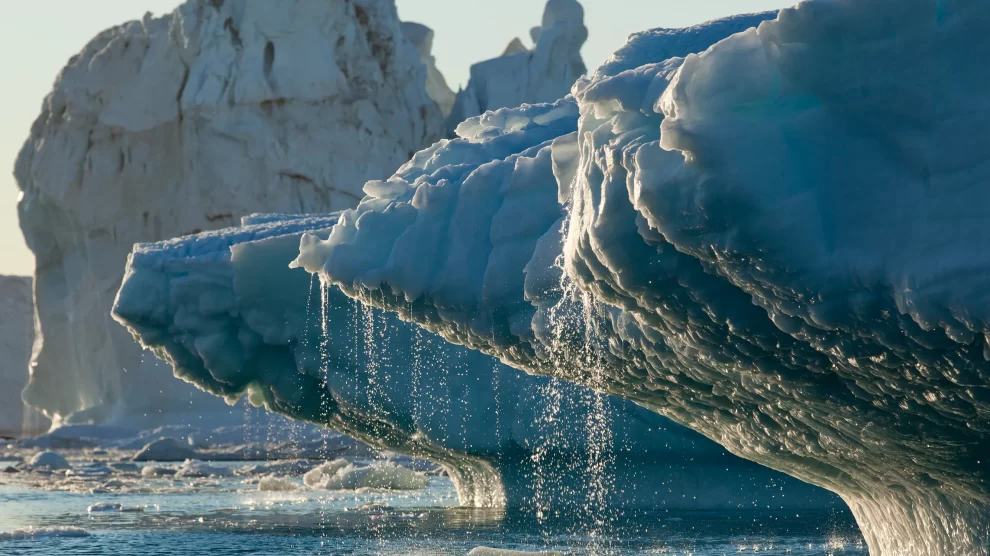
[[777, 241]]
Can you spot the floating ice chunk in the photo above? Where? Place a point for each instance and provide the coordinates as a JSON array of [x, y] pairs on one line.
[[35, 533], [113, 507], [152, 471], [167, 449], [49, 460], [378, 476], [319, 475], [199, 469], [276, 484]]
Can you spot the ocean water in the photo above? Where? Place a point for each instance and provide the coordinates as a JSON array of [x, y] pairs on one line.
[[230, 516]]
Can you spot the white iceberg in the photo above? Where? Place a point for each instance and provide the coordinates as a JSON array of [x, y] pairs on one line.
[[778, 242], [523, 76], [173, 125]]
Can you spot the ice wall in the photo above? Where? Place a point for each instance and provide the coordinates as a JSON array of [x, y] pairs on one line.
[[170, 126], [778, 243], [521, 75], [16, 337], [228, 313]]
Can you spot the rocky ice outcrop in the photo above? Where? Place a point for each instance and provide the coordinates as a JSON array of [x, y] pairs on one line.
[[16, 339], [520, 76], [421, 37], [170, 126]]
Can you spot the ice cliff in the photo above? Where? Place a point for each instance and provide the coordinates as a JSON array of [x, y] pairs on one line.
[[228, 313], [778, 242], [16, 337], [184, 123], [521, 75]]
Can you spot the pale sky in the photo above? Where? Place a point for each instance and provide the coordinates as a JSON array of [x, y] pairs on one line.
[[38, 37]]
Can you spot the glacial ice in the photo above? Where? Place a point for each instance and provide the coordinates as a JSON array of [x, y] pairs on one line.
[[16, 336], [776, 242], [228, 313], [169, 126], [520, 75]]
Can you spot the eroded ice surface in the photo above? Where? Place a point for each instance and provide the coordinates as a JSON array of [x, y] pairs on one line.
[[778, 242], [228, 313]]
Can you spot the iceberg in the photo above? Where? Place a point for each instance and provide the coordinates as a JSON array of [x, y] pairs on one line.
[[421, 37], [776, 241], [16, 337], [228, 313], [183, 123], [520, 75]]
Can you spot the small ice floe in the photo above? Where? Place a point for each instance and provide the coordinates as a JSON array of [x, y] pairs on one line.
[[153, 471], [342, 475], [167, 449], [35, 533], [49, 461], [110, 507], [275, 484], [485, 551], [196, 469], [321, 473]]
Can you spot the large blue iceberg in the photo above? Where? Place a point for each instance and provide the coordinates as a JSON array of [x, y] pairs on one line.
[[775, 241]]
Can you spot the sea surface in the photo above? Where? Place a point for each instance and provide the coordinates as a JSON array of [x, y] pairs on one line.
[[219, 516]]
